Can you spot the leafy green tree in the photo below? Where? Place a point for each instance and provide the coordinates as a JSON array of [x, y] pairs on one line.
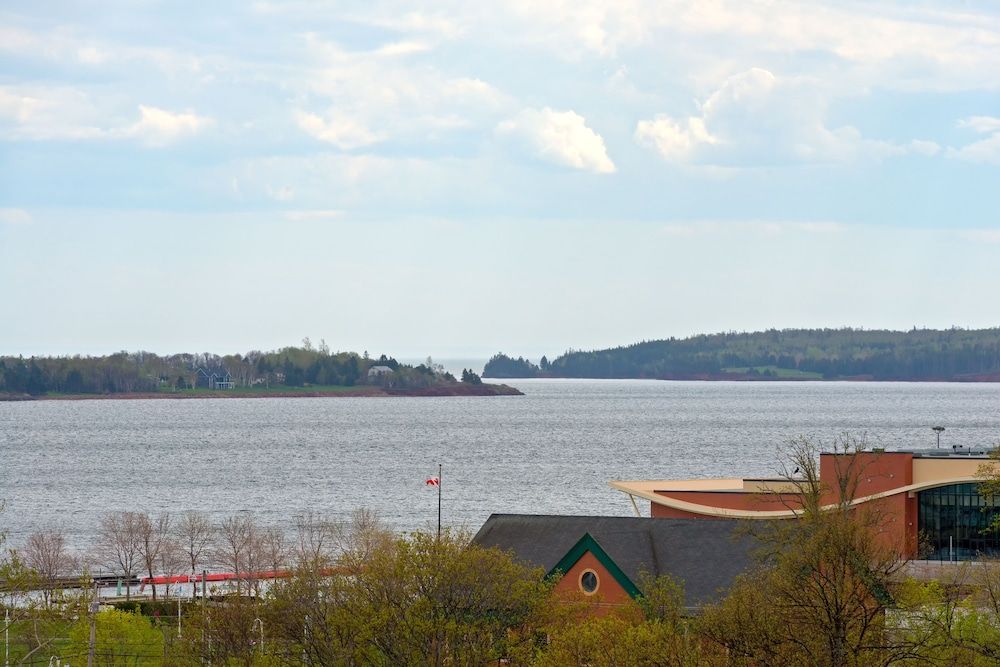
[[123, 638], [651, 632], [416, 600], [955, 621], [617, 640]]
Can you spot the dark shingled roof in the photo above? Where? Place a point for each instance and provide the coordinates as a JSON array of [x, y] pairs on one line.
[[705, 555]]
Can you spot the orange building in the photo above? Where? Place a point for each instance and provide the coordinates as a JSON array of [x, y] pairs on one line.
[[929, 499]]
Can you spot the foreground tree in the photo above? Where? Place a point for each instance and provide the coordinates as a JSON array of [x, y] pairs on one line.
[[45, 552], [153, 535], [194, 534], [651, 633], [228, 632], [236, 551], [820, 596], [119, 545], [317, 541], [122, 638], [24, 620], [418, 600], [273, 548]]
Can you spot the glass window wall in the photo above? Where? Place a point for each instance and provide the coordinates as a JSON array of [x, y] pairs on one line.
[[955, 523]]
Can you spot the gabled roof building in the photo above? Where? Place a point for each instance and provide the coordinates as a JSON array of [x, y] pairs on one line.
[[606, 556]]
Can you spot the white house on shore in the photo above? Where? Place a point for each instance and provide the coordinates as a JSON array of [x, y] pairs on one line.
[[378, 371]]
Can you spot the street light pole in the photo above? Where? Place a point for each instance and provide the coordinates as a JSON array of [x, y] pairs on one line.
[[938, 430]]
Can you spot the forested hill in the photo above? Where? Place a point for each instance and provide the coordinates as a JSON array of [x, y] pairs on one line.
[[252, 373], [918, 354]]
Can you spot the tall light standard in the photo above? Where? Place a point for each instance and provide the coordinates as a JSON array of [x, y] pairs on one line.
[[938, 429]]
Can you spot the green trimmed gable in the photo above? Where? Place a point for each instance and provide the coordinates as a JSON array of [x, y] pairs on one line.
[[588, 543]]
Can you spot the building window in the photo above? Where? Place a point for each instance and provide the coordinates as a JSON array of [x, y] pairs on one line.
[[589, 582], [955, 523]]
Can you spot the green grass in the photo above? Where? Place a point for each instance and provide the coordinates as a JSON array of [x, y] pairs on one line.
[[55, 631], [22, 634], [781, 373]]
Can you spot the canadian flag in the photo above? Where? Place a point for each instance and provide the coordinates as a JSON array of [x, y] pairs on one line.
[[433, 481]]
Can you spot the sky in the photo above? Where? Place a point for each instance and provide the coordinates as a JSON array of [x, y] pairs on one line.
[[456, 178]]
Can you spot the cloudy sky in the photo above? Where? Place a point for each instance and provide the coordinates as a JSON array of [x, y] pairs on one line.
[[457, 178]]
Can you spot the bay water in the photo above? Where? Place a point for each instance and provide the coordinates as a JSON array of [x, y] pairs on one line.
[[551, 451]]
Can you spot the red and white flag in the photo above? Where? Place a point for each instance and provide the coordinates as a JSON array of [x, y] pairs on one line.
[[433, 481]]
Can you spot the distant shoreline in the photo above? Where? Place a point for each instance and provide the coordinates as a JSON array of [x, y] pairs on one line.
[[724, 377], [486, 389]]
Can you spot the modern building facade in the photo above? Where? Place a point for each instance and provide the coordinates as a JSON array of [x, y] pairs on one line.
[[928, 500]]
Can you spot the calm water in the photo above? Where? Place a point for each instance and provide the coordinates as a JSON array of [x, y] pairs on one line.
[[551, 451]]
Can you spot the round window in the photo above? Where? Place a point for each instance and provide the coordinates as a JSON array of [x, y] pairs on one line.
[[589, 582]]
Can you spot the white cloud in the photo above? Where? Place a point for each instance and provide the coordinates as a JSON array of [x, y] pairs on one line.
[[17, 107], [68, 114], [14, 216], [371, 96], [898, 45], [340, 130], [673, 139], [924, 147], [561, 137], [40, 113], [159, 127], [757, 118], [985, 150], [91, 55], [981, 124], [405, 48]]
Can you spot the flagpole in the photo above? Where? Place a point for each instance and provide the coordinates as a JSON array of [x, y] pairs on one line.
[[439, 502]]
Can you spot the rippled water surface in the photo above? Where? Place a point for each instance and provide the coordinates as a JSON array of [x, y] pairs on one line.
[[63, 463]]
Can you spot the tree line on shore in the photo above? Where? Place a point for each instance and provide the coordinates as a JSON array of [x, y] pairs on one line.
[[146, 372], [827, 591], [917, 354]]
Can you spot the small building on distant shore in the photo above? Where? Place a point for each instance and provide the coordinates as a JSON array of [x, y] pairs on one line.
[[218, 378], [378, 371]]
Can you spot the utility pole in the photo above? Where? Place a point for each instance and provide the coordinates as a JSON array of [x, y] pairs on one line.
[[6, 637], [257, 623], [204, 615], [305, 641], [439, 502], [94, 607], [938, 430]]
